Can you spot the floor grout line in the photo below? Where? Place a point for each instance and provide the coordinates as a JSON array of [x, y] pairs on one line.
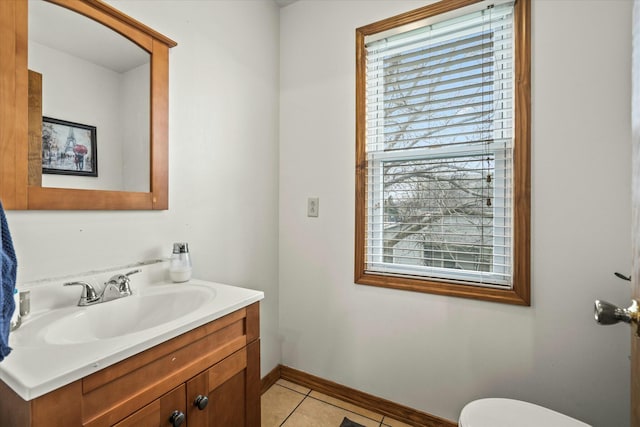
[[294, 409], [347, 410], [308, 395], [289, 388]]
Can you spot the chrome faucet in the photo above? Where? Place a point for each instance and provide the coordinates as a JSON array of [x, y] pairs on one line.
[[88, 296], [117, 286]]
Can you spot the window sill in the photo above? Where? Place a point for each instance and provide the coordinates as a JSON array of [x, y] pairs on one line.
[[516, 296]]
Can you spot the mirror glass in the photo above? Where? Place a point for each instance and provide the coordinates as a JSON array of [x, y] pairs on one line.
[[92, 77]]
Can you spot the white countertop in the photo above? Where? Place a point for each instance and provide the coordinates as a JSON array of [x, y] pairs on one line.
[[38, 365]]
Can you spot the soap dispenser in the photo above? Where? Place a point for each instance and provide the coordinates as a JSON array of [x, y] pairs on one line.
[[180, 265]]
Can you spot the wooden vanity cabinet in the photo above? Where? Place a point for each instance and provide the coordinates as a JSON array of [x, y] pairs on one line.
[[209, 376]]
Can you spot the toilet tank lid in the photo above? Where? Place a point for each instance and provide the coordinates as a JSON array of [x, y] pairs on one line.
[[498, 412]]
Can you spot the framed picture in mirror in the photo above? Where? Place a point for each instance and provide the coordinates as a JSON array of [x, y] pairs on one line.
[[69, 148]]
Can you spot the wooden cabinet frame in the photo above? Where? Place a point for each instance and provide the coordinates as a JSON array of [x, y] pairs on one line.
[[15, 191]]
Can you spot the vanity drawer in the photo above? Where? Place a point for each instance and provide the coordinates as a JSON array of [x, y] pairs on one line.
[[117, 391]]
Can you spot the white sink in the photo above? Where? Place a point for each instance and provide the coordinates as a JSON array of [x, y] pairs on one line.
[[59, 342], [128, 315], [145, 309]]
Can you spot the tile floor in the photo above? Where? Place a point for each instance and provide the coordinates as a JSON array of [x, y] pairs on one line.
[[290, 405]]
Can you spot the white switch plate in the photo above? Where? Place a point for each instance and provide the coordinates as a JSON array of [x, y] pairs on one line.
[[313, 206]]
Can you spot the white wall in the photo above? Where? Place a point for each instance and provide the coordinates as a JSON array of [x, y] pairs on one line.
[[437, 353], [117, 104], [134, 118], [80, 91], [223, 179]]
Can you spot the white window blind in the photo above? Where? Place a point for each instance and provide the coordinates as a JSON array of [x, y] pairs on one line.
[[439, 129]]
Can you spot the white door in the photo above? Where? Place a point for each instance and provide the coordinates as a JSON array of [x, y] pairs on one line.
[[635, 210], [607, 313]]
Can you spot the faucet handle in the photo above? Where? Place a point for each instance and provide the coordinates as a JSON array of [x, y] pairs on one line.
[[137, 270], [88, 294], [123, 281], [120, 278]]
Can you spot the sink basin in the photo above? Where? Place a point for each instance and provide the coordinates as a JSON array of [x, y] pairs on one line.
[[146, 309]]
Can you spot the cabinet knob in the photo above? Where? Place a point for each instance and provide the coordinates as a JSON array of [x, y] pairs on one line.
[[201, 402], [177, 418]]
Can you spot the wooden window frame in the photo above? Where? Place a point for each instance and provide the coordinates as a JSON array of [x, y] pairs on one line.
[[520, 292]]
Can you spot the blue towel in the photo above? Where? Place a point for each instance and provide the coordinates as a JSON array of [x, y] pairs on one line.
[[7, 284]]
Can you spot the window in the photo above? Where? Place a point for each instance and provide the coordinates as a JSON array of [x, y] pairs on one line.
[[443, 151]]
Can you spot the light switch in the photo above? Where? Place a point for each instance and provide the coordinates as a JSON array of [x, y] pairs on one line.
[[313, 206]]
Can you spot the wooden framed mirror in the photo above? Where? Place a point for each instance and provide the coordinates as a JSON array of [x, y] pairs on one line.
[[20, 168]]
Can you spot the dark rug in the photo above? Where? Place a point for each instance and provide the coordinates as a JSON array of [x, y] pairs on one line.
[[348, 423]]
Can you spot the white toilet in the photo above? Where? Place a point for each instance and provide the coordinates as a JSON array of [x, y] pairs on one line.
[[512, 413]]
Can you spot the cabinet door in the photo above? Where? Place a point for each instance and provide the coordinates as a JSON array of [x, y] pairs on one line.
[[223, 396], [160, 412]]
